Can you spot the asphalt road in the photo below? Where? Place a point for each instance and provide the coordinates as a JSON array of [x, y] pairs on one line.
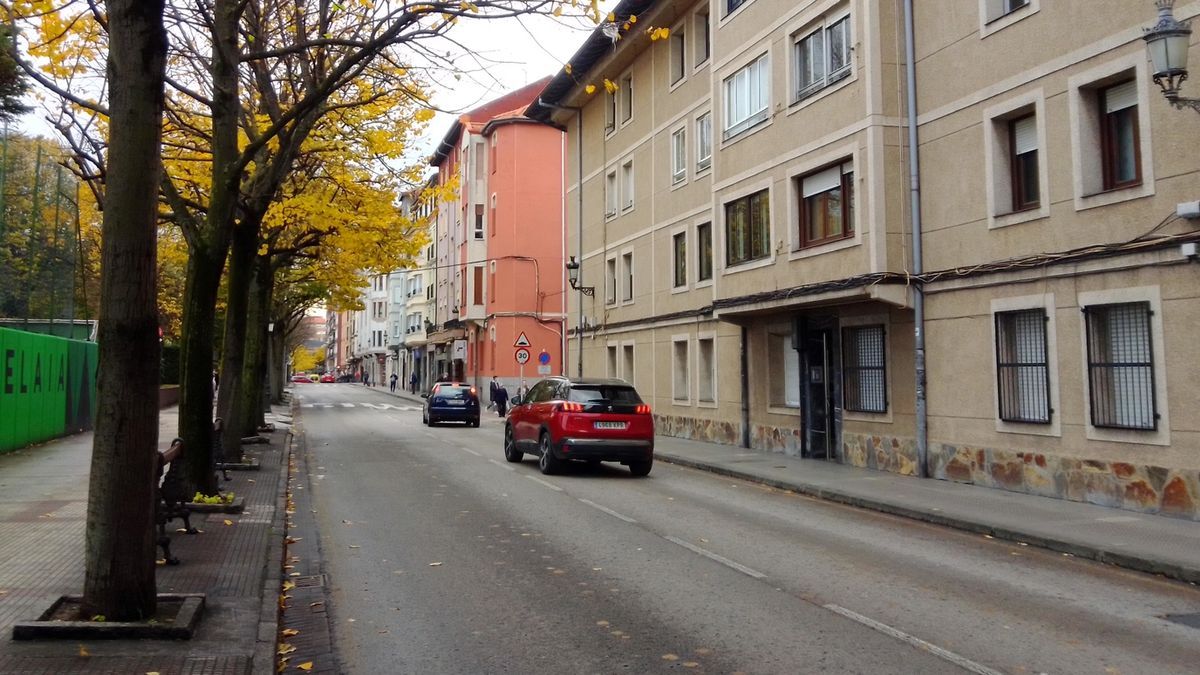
[[443, 558]]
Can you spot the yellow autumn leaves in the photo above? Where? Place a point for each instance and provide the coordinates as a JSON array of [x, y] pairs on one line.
[[655, 33]]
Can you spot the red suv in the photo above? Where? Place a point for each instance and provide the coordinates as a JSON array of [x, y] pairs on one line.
[[595, 420]]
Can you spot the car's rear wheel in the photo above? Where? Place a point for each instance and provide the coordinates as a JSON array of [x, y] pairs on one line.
[[641, 468], [511, 453], [475, 422], [547, 463]]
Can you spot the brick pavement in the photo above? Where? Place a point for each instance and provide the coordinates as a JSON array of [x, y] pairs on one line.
[[42, 517]]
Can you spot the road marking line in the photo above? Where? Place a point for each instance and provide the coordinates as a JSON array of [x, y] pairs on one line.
[[718, 558], [502, 465], [306, 405], [347, 405], [607, 510], [471, 451], [548, 484], [960, 661]]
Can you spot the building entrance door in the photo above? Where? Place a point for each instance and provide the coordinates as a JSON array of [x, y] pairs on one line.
[[820, 387]]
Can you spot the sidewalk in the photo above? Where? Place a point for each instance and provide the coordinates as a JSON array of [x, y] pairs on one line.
[[43, 507], [1142, 542]]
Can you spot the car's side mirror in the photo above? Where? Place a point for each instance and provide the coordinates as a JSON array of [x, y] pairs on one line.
[[517, 400], [424, 395]]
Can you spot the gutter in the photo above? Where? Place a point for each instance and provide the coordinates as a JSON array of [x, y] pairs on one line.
[[914, 178]]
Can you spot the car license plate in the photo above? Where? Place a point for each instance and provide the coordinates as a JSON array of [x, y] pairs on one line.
[[610, 425], [452, 402]]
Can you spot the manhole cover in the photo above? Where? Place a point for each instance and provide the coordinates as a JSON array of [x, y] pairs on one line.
[[309, 581], [1190, 620]]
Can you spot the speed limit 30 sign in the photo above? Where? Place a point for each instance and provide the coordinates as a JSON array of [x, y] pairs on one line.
[[522, 355]]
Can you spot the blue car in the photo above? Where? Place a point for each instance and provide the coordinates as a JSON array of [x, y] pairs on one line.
[[451, 402]]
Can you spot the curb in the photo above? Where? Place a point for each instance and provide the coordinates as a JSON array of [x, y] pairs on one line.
[[263, 661], [1079, 550]]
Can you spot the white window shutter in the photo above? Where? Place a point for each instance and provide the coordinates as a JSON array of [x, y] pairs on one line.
[[1025, 135]]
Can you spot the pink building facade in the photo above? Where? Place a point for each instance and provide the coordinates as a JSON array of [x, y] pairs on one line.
[[500, 280]]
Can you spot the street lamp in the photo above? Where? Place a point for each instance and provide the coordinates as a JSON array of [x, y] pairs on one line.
[[573, 278], [1167, 41]]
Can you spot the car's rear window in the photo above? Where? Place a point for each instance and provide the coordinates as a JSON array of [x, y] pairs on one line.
[[451, 391], [596, 393]]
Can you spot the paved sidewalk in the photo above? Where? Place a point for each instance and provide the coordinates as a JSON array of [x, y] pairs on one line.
[[43, 506], [1147, 543]]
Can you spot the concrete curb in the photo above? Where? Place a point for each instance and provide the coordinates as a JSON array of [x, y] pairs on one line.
[[263, 662], [1080, 550]]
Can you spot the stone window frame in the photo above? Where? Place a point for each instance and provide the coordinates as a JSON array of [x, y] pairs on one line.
[[1152, 295], [1044, 302], [681, 398]]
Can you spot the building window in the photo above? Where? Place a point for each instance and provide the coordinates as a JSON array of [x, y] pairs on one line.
[[610, 281], [1121, 366], [679, 365], [612, 361], [747, 95], [627, 273], [479, 221], [1023, 161], [627, 363], [478, 293], [626, 98], [627, 185], [702, 42], [678, 55], [748, 228], [610, 194], [678, 156], [999, 8], [679, 264], [1022, 366], [1119, 136], [610, 112], [704, 252], [784, 367], [492, 153], [731, 5], [704, 141], [827, 205], [822, 57], [864, 369], [706, 371]]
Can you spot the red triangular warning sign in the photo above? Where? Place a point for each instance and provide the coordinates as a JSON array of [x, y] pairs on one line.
[[522, 341]]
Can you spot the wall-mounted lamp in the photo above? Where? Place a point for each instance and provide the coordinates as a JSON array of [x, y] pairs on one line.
[[1167, 41], [573, 278]]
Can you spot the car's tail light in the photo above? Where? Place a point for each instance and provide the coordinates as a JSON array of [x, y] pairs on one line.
[[570, 406], [642, 409]]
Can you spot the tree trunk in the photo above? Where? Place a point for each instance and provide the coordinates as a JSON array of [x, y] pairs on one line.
[[275, 368], [207, 257], [241, 272], [255, 372], [196, 367], [119, 556]]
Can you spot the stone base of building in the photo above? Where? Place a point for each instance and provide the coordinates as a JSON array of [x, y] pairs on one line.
[[1134, 487], [708, 431]]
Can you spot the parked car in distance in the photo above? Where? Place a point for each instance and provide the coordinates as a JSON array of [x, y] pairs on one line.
[[589, 419], [301, 378], [451, 401], [328, 377], [346, 377]]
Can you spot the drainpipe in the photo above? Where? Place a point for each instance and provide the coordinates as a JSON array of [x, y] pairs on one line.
[[745, 363], [579, 223], [914, 179]]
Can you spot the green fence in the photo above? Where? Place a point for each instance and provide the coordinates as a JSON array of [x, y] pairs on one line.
[[47, 387]]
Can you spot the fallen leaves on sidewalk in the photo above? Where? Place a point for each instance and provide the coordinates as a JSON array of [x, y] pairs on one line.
[[435, 564], [83, 651], [289, 632], [228, 522], [307, 665], [285, 648]]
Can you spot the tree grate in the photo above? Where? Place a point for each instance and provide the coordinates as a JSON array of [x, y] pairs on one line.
[[313, 581]]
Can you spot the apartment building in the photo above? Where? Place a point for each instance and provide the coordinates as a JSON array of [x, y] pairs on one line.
[[370, 353], [500, 270], [739, 200]]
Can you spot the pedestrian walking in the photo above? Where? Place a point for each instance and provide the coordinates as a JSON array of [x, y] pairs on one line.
[[392, 384], [500, 398], [366, 379], [493, 387], [412, 381]]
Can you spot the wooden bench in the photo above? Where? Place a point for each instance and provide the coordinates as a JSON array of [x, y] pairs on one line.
[[171, 498]]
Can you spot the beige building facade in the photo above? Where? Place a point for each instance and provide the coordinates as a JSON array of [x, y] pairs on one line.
[[746, 226]]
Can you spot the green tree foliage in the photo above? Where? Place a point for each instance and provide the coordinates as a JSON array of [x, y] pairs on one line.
[[12, 80]]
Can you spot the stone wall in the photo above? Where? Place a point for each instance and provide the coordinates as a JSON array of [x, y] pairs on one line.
[[709, 431], [885, 453], [1135, 487]]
